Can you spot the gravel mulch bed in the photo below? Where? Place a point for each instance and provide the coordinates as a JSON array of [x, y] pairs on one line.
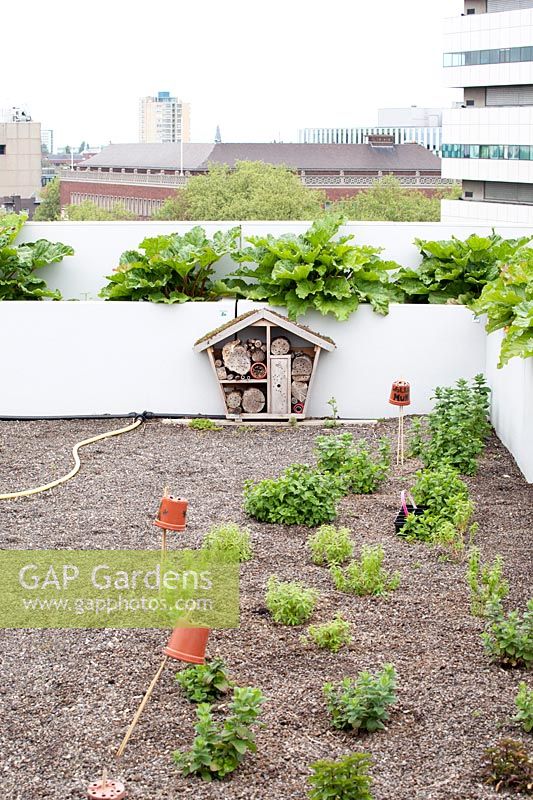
[[66, 697]]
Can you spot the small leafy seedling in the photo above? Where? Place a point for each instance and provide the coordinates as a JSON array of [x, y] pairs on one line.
[[487, 587], [229, 543], [508, 765], [333, 421], [219, 747], [524, 704], [362, 704], [290, 603], [330, 635], [367, 576], [203, 683], [344, 779], [201, 424], [330, 545], [509, 639]]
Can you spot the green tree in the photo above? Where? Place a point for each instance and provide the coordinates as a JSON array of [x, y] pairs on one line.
[[90, 211], [388, 200], [253, 190], [50, 206]]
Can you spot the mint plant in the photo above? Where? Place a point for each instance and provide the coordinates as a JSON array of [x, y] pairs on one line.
[[362, 704], [18, 263], [524, 705], [203, 683], [219, 747], [353, 462], [300, 496], [229, 543], [508, 765], [330, 545], [446, 500], [367, 576], [344, 779], [290, 602], [314, 271], [487, 586], [457, 429], [508, 639], [172, 268], [330, 635], [455, 270]]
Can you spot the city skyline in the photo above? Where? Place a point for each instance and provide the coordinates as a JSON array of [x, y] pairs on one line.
[[305, 69]]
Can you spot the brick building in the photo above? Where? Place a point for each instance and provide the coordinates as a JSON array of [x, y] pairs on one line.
[[141, 176]]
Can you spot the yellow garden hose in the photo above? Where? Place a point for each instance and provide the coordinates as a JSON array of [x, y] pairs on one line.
[[77, 463]]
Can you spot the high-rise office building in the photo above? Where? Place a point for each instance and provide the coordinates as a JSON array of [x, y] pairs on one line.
[[488, 142], [164, 119], [47, 139]]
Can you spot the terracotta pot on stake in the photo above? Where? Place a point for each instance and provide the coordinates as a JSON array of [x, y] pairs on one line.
[[400, 396], [172, 516], [185, 644]]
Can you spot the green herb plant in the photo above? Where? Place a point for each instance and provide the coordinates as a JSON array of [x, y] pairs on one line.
[[172, 268], [220, 746], [204, 683], [366, 576], [508, 765], [290, 602], [229, 543], [487, 586], [201, 424], [344, 779], [330, 635], [353, 462], [363, 703], [314, 271], [455, 270], [446, 500], [330, 545], [524, 705], [508, 639], [18, 263], [508, 303], [299, 496], [333, 421], [457, 429]]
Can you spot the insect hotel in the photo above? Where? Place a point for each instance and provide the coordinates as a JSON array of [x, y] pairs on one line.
[[264, 365]]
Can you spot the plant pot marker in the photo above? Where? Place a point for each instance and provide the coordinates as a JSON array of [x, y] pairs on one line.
[[185, 644], [172, 516], [400, 396]]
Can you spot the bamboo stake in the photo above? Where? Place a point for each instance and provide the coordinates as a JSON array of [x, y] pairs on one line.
[[104, 778], [166, 491], [398, 441], [135, 720]]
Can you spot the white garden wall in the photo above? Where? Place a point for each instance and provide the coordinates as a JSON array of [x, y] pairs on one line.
[[98, 245], [85, 358], [512, 403]]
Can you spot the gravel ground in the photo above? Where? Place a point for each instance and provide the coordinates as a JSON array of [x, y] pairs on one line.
[[67, 697]]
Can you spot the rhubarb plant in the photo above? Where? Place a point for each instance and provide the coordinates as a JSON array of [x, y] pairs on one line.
[[314, 271], [172, 268]]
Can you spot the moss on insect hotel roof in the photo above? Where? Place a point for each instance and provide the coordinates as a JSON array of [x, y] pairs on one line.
[[254, 312]]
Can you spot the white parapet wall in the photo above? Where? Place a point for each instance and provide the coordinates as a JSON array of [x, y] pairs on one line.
[[512, 403], [84, 358]]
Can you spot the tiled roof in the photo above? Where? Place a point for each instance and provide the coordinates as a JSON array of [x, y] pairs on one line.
[[325, 157]]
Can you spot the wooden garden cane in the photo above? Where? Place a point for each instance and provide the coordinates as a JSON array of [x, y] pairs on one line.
[[185, 644]]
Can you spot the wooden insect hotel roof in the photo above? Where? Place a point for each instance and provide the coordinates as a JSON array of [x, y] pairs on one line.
[[251, 318]]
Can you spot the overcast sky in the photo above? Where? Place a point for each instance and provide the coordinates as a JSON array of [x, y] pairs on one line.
[[260, 69]]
